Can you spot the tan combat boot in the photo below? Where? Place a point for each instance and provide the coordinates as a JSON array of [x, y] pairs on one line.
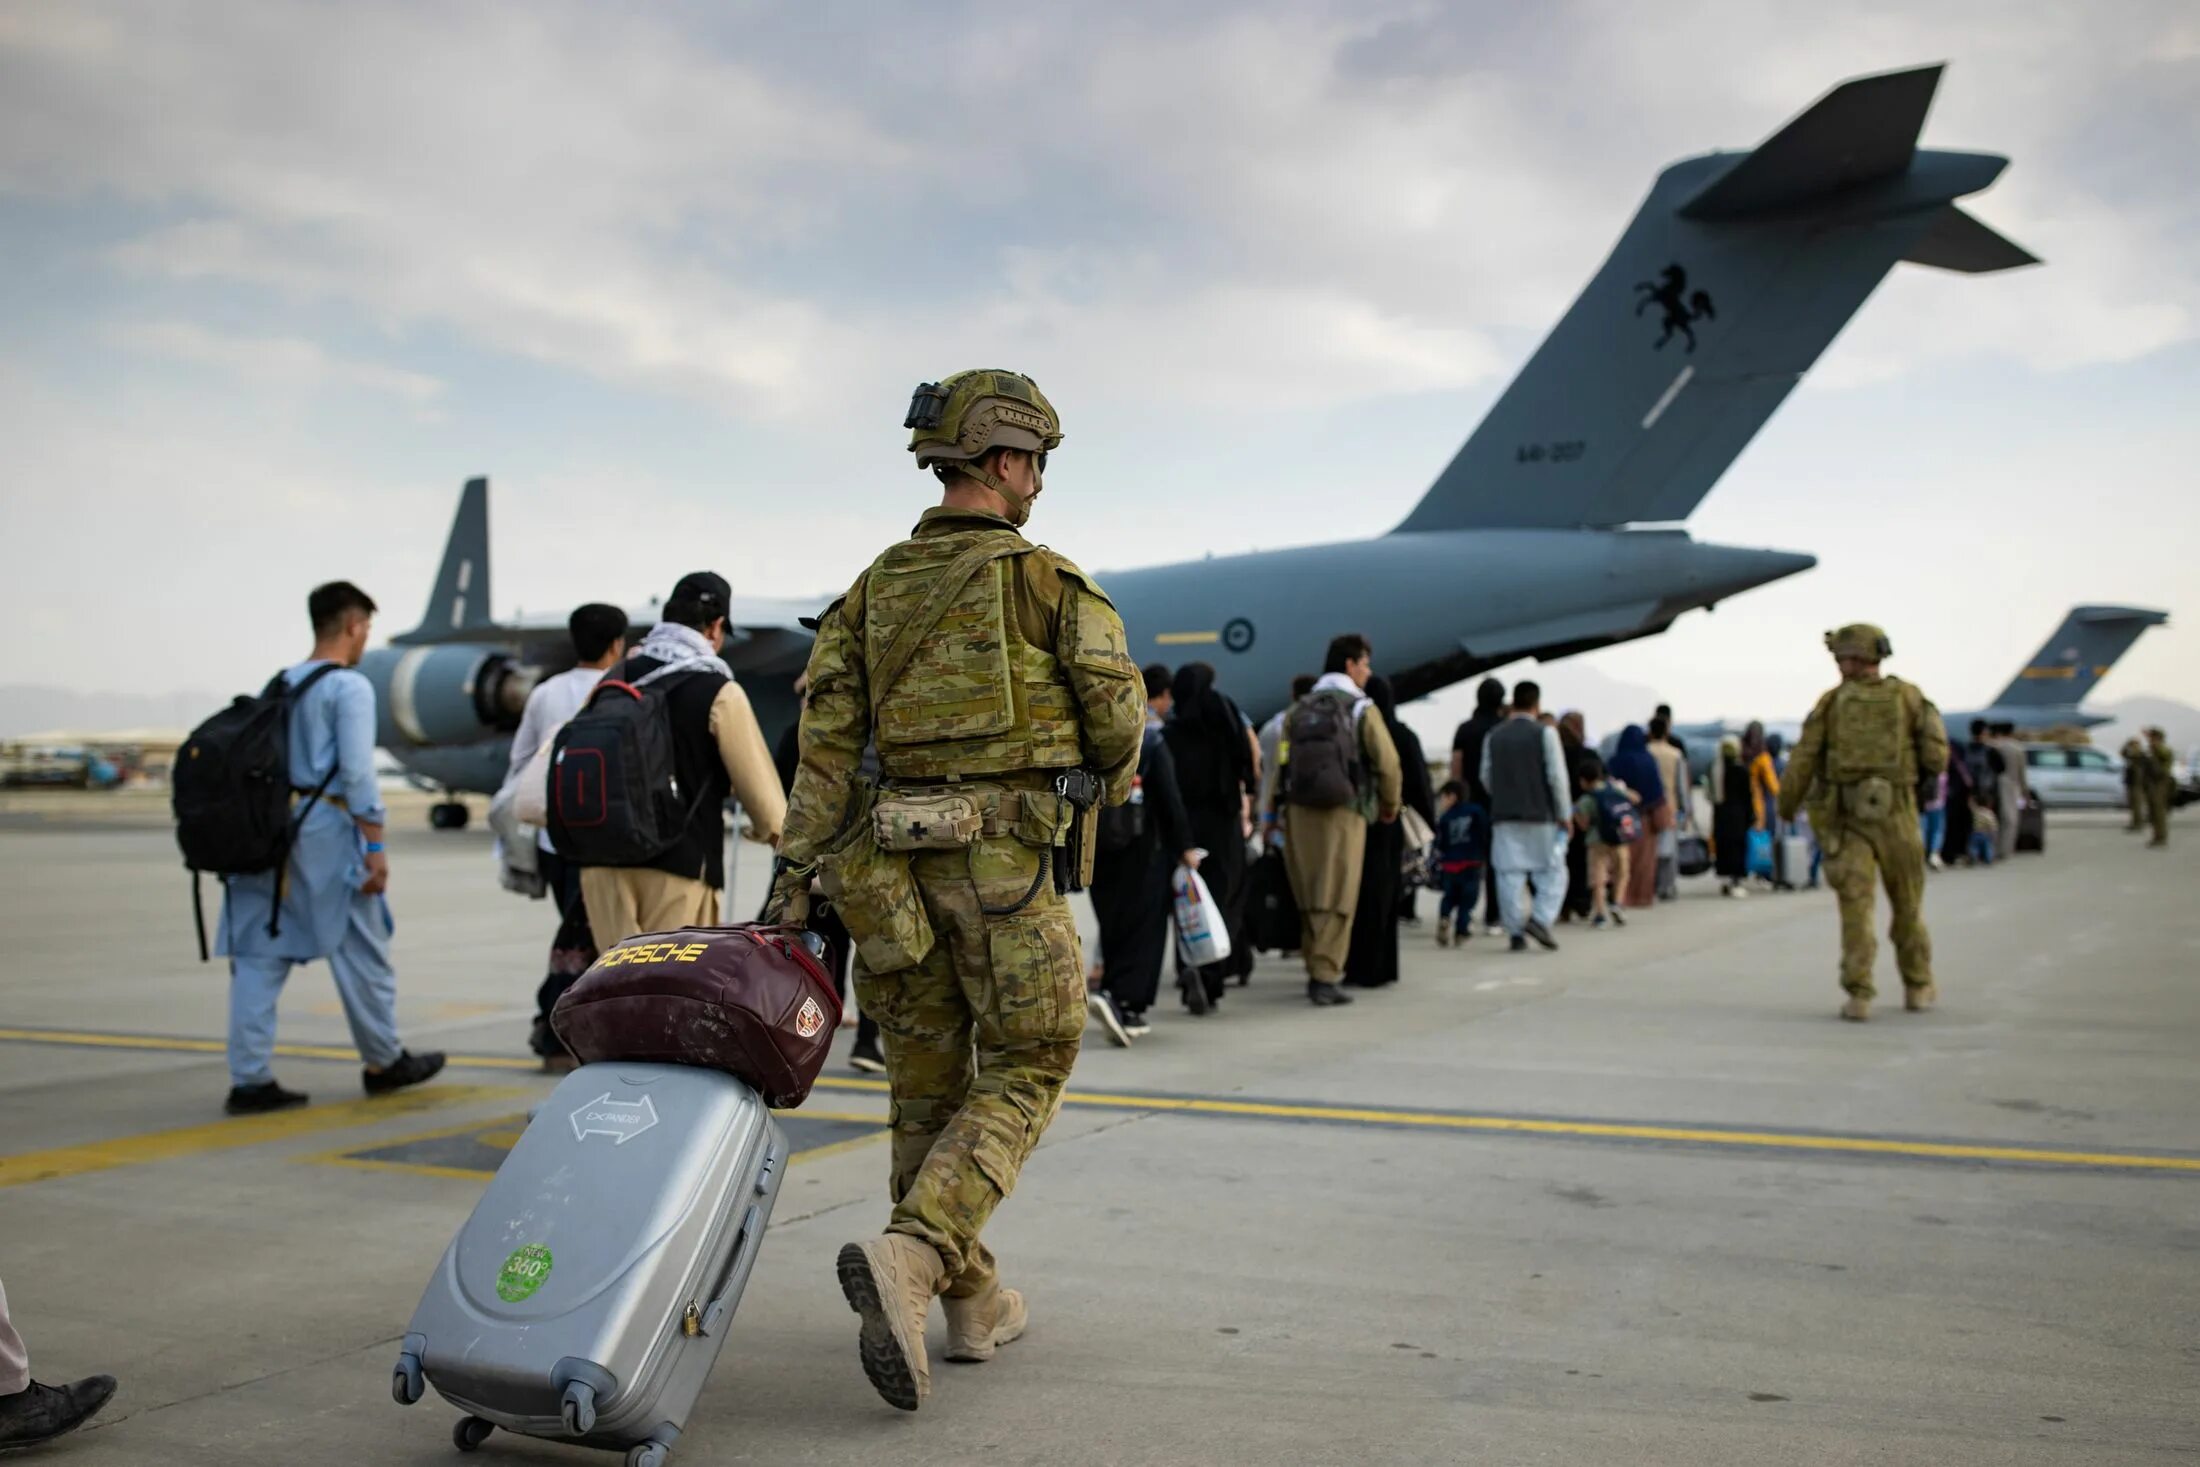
[[977, 1324], [1920, 1000], [890, 1280], [1857, 1009]]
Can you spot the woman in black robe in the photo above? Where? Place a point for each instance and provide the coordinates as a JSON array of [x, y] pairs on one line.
[[1955, 841], [1731, 817], [1213, 751], [1372, 959], [1573, 738]]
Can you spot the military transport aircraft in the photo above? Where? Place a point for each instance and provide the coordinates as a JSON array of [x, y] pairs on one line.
[[1554, 530]]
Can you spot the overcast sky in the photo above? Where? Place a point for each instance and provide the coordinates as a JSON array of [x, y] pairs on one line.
[[279, 276]]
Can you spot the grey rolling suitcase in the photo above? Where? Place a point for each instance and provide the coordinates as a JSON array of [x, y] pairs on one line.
[[1791, 861], [589, 1294]]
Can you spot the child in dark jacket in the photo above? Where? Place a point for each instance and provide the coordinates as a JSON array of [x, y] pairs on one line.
[[1462, 848]]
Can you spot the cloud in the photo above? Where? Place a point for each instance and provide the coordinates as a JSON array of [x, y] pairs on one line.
[[273, 360]]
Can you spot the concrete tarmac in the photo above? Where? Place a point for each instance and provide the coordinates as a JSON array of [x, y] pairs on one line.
[[1643, 1200]]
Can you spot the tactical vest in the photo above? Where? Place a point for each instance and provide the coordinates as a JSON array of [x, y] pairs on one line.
[[977, 698], [1868, 735]]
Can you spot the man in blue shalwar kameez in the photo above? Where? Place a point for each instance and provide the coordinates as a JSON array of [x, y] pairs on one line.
[[332, 890]]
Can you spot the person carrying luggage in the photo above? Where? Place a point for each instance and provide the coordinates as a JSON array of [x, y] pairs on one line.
[[997, 683], [642, 772], [328, 899]]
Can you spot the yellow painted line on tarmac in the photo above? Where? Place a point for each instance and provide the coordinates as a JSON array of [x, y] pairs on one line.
[[237, 1131], [1780, 1140], [1345, 1115]]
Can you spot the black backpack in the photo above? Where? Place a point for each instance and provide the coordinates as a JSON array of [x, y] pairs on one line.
[[615, 796], [230, 791], [1324, 770]]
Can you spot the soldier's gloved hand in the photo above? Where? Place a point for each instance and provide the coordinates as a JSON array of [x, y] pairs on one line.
[[789, 904]]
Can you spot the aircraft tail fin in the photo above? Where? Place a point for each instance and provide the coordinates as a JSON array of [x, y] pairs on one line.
[[460, 600], [1731, 280], [2080, 653]]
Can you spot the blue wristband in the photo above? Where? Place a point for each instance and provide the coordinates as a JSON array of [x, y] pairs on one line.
[[374, 848]]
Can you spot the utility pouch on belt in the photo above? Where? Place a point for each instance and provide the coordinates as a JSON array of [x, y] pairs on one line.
[[906, 821], [875, 894], [1868, 799]]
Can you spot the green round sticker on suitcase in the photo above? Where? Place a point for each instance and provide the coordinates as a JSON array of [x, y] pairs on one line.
[[523, 1273]]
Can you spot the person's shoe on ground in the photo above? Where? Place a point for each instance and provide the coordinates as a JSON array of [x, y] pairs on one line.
[[864, 1056], [1443, 934], [252, 1100], [408, 1069], [1920, 1000], [1541, 934], [1598, 920], [978, 1325], [1619, 918], [1857, 1010], [1519, 944], [39, 1413], [1325, 995], [1102, 1009], [890, 1281], [1194, 989], [1136, 1024]]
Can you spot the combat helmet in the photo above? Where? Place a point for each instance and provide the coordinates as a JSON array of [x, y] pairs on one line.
[[958, 420], [1859, 639]]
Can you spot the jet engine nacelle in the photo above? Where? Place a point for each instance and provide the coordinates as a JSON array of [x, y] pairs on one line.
[[452, 694]]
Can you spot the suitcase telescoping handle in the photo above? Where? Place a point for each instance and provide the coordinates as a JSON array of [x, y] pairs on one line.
[[744, 1252]]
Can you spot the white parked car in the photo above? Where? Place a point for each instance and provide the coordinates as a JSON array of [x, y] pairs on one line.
[[2070, 778]]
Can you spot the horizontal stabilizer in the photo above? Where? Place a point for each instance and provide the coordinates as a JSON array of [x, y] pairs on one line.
[[1861, 132], [1959, 242]]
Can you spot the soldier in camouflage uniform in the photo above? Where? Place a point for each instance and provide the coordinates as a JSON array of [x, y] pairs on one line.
[[985, 668], [1857, 764], [2161, 784]]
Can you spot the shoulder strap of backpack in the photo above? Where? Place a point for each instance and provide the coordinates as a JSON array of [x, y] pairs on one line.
[[946, 589]]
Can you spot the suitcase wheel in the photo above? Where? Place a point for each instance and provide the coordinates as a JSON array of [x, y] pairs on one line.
[[406, 1385], [579, 1408], [648, 1454], [470, 1432]]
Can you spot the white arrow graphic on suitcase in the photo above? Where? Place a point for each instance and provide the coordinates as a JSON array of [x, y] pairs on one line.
[[621, 1120]]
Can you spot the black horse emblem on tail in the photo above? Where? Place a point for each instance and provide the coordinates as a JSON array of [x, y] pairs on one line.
[[1670, 293]]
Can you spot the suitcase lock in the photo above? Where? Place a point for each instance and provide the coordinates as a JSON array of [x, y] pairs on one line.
[[691, 1322]]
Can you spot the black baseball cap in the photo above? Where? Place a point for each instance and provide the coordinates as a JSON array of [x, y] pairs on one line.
[[706, 589]]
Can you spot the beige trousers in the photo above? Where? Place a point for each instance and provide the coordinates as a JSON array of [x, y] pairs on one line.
[[625, 900]]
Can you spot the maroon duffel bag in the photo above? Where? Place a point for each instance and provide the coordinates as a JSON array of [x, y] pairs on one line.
[[751, 1000]]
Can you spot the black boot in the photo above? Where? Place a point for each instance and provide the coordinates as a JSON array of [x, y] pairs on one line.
[[40, 1413], [1325, 995]]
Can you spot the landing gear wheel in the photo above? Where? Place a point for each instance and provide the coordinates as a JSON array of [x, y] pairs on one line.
[[471, 1432], [449, 815], [648, 1454]]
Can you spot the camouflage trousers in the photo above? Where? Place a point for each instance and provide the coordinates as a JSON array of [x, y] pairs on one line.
[[979, 1041], [1860, 856], [2161, 796]]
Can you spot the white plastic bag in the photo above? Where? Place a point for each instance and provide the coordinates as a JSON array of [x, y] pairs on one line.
[[1200, 936], [531, 789]]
